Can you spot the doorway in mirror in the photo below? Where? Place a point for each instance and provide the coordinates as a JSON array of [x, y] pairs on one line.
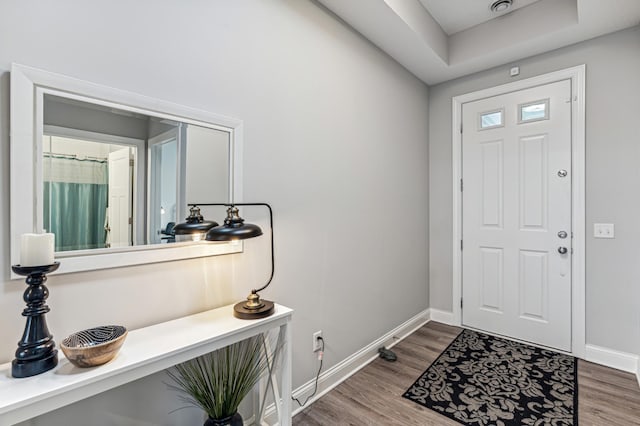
[[88, 189]]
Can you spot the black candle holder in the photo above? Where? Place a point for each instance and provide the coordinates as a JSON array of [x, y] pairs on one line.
[[36, 351]]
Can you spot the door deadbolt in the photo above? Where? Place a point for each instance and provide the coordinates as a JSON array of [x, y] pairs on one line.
[[562, 250], [562, 173], [562, 234]]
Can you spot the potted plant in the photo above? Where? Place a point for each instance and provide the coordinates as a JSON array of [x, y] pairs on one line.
[[218, 381]]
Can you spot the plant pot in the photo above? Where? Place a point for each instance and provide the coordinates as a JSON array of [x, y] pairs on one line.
[[233, 420]]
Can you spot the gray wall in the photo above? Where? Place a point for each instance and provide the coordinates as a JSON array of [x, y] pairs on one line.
[[335, 139], [612, 187]]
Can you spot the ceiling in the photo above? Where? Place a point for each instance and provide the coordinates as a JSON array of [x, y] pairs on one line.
[[439, 40], [454, 16]]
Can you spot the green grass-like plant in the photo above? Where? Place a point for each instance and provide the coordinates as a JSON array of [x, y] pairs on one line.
[[218, 381]]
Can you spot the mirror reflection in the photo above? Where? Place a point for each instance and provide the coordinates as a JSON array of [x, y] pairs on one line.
[[115, 178]]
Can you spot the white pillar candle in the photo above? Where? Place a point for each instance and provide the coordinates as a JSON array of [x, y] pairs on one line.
[[36, 249]]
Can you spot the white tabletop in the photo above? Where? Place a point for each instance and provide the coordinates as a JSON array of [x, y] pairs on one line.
[[145, 351]]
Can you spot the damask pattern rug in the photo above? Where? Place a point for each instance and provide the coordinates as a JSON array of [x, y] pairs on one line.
[[486, 380]]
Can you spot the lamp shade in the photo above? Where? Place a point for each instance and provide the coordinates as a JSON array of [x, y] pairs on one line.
[[234, 228], [194, 224]]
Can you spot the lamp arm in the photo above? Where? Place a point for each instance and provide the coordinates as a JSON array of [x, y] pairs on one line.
[[271, 232]]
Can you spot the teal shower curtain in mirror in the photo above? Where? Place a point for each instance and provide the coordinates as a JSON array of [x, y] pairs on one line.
[[75, 202]]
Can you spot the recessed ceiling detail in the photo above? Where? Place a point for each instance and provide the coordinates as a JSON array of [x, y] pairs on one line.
[[438, 40], [459, 15]]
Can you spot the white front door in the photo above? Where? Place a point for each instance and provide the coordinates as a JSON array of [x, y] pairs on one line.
[[516, 214]]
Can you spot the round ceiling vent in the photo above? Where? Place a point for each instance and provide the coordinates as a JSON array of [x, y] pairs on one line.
[[501, 5]]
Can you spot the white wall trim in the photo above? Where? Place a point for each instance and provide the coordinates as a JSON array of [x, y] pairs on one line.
[[577, 77], [611, 358], [443, 317], [340, 372]]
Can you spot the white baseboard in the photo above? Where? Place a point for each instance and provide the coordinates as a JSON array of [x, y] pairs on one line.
[[349, 366], [340, 372], [444, 317], [611, 358]]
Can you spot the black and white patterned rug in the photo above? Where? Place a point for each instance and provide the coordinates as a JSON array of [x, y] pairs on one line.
[[486, 380]]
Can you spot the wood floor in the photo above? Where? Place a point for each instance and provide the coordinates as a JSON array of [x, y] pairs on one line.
[[373, 396]]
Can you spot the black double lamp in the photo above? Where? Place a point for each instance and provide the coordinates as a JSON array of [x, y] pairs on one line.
[[233, 229]]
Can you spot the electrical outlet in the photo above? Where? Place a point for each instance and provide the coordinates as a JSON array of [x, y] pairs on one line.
[[317, 344]]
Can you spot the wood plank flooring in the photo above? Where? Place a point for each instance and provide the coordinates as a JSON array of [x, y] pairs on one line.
[[373, 396]]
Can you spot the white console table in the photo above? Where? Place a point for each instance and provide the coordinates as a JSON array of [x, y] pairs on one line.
[[147, 351]]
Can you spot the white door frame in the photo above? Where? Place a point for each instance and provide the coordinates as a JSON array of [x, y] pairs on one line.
[[577, 77]]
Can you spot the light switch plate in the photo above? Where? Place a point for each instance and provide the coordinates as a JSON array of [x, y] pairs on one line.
[[603, 230]]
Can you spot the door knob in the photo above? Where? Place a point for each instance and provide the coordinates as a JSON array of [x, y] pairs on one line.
[[562, 250], [562, 234]]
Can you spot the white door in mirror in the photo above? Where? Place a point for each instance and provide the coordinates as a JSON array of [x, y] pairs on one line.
[[120, 200]]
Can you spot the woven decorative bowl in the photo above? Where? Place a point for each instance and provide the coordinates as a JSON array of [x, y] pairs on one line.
[[95, 346]]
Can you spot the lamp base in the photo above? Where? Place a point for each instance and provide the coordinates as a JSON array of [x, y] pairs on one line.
[[241, 311]]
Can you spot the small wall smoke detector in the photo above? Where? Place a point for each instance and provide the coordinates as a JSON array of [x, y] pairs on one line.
[[501, 5]]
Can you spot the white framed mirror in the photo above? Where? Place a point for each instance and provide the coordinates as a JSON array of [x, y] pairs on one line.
[[110, 172]]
